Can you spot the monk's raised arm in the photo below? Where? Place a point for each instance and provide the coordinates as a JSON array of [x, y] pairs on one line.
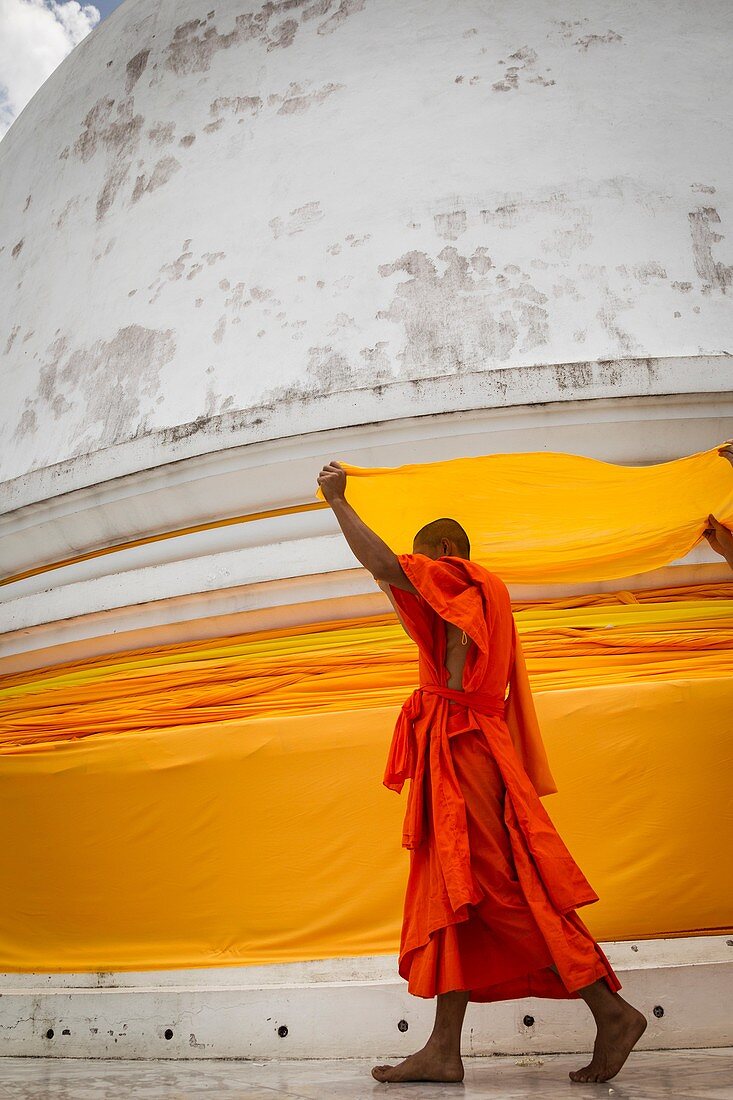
[[384, 585], [372, 552]]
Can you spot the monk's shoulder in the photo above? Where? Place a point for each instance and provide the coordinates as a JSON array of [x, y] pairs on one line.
[[484, 575], [494, 587]]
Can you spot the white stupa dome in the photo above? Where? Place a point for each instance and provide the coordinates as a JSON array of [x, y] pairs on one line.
[[240, 241]]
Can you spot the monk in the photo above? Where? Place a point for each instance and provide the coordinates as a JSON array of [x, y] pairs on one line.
[[492, 890]]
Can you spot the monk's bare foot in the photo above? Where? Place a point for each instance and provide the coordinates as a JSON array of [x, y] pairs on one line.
[[616, 1036], [432, 1063]]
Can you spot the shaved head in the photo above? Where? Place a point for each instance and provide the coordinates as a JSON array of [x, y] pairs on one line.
[[442, 536]]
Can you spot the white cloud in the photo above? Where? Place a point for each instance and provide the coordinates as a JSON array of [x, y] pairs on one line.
[[35, 37]]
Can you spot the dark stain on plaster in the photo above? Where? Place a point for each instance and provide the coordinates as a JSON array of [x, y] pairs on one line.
[[295, 100], [648, 271], [450, 225], [714, 274], [572, 376], [165, 168], [510, 214], [27, 425], [608, 316], [101, 127], [522, 71], [463, 318], [135, 68], [342, 13], [569, 30], [283, 35], [250, 104], [162, 133], [194, 44], [563, 287], [17, 249], [327, 372], [119, 136], [183, 265], [11, 339], [298, 219], [598, 39], [106, 382]]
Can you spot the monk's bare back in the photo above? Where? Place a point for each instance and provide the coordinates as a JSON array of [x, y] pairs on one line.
[[456, 650], [455, 654]]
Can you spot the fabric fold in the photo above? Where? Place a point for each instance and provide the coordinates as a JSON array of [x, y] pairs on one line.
[[421, 740], [523, 725], [412, 750]]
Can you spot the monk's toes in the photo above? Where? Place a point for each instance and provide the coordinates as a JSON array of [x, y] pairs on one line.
[[585, 1074], [380, 1072]]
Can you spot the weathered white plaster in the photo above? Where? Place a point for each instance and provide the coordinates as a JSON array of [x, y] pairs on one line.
[[235, 223]]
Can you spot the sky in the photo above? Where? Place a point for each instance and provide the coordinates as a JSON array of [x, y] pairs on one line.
[[35, 37]]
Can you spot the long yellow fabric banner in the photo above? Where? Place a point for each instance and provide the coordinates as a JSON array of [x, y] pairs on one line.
[[551, 517], [351, 665], [220, 803]]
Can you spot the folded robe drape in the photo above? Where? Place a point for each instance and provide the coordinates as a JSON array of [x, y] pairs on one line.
[[442, 886]]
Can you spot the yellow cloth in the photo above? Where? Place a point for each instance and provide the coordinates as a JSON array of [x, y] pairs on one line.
[[550, 517], [267, 840], [220, 802], [351, 665]]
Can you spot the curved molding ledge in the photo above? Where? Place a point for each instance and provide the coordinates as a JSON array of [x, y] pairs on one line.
[[282, 473], [491, 389], [294, 568]]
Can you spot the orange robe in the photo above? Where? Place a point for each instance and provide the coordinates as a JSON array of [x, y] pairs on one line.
[[492, 889]]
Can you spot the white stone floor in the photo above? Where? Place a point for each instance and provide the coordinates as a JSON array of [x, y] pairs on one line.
[[647, 1075]]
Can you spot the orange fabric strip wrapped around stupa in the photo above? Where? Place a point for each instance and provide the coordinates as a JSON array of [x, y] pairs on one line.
[[492, 889]]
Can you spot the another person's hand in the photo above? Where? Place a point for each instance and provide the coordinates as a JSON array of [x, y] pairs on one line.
[[332, 480], [725, 450], [720, 539]]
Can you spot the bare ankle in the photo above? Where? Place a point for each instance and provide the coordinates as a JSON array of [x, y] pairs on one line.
[[444, 1045]]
